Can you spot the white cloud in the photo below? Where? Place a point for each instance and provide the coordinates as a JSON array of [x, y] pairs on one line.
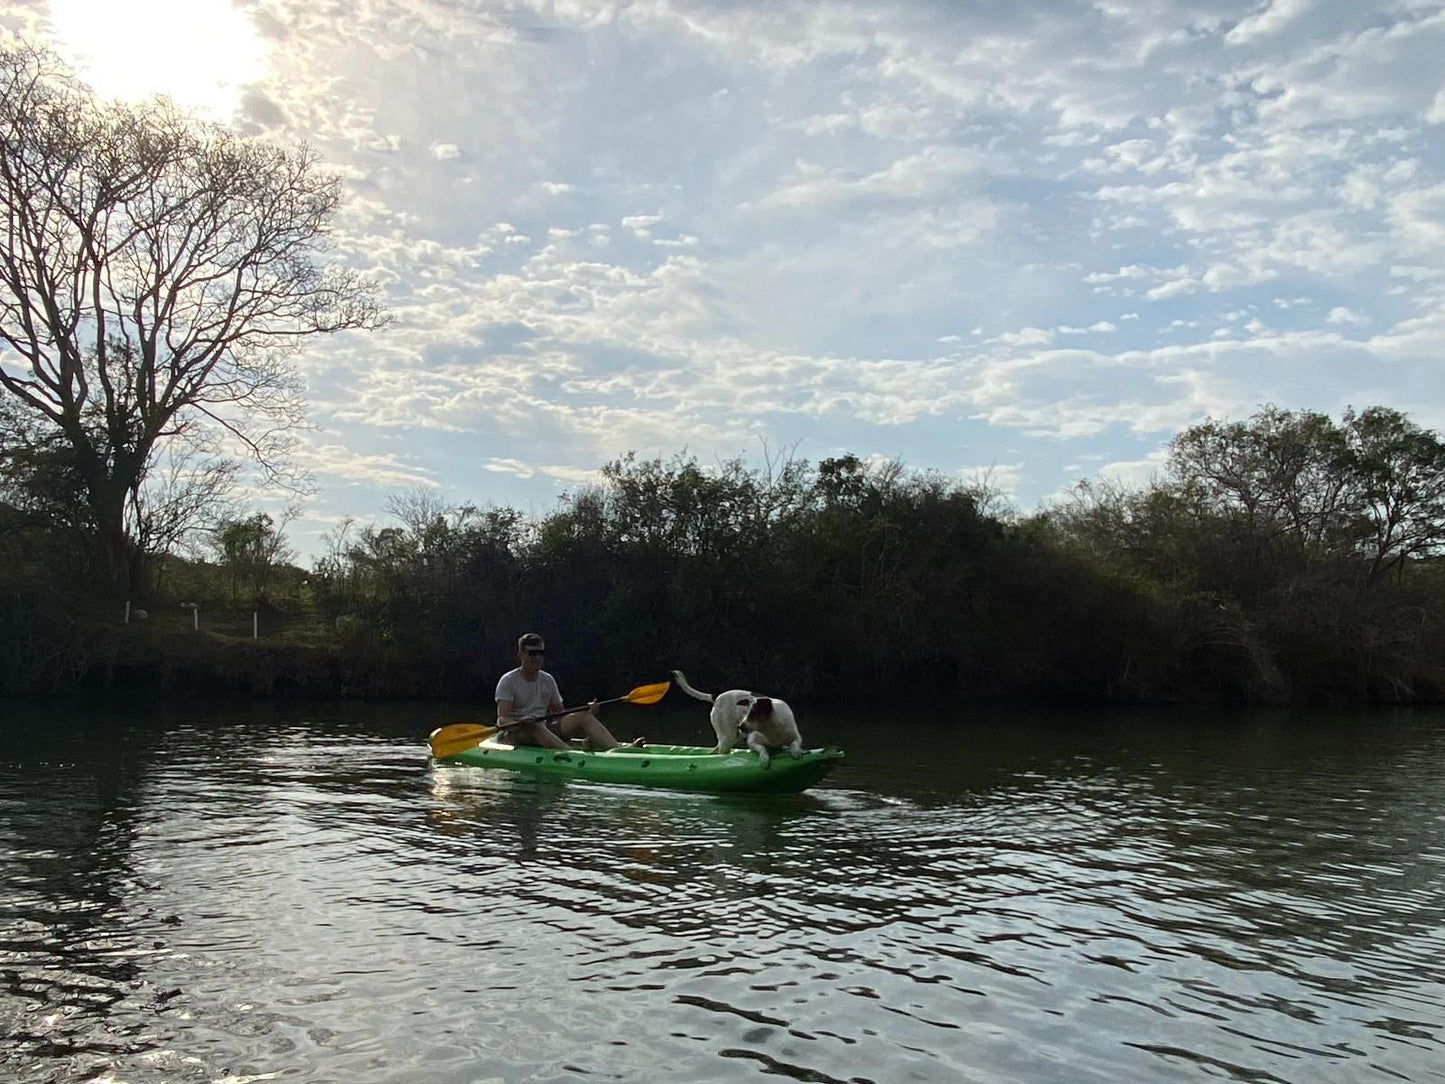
[[569, 476], [1275, 16], [1342, 315], [641, 225], [1184, 284], [1028, 336], [1417, 217], [1133, 271], [1136, 473], [337, 462], [926, 174]]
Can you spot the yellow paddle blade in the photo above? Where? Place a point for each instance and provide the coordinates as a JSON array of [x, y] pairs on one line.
[[448, 741], [648, 694]]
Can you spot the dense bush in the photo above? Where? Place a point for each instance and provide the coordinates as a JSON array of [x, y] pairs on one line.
[[1282, 559]]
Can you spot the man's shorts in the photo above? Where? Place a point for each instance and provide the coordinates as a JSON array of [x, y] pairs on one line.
[[554, 725]]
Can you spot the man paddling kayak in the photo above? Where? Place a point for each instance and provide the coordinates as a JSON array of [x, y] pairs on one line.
[[527, 694]]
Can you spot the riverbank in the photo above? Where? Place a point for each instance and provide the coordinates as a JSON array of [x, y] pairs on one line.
[[298, 649], [309, 661], [304, 659]]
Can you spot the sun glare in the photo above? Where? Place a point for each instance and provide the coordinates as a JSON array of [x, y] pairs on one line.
[[201, 53]]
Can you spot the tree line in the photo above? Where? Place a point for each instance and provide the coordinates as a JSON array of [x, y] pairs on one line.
[[158, 273], [1287, 558]]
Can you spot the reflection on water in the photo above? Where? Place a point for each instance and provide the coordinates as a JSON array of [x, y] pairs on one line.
[[211, 895]]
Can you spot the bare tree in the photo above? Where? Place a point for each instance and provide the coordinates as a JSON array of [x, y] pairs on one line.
[[185, 491], [157, 273], [419, 508]]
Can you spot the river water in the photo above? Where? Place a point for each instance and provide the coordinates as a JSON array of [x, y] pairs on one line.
[[216, 893]]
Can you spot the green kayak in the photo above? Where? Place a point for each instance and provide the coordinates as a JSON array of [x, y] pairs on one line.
[[675, 767]]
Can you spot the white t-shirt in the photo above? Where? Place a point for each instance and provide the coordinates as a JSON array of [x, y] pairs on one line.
[[530, 699]]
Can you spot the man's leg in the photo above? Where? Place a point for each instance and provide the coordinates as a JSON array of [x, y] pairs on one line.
[[583, 724], [537, 733]]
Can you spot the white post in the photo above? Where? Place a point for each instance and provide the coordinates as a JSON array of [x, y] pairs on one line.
[[255, 625], [195, 619], [127, 611]]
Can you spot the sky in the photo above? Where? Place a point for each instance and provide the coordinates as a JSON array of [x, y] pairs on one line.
[[1025, 241]]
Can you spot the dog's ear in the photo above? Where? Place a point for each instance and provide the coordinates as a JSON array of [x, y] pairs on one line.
[[762, 708]]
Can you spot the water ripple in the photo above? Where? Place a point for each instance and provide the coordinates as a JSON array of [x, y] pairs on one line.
[[309, 898]]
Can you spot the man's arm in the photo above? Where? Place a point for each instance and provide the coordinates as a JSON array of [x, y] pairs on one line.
[[507, 716]]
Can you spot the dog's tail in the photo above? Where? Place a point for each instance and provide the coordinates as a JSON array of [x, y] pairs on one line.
[[682, 684]]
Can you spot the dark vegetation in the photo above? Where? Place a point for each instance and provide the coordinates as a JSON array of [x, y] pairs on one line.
[[156, 274], [1285, 559]]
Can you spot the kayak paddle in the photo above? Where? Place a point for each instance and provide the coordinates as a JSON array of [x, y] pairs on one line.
[[447, 741]]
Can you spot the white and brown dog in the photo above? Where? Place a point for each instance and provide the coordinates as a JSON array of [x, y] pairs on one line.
[[762, 722]]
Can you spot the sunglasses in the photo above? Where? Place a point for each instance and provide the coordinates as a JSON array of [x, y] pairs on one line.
[[535, 651]]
